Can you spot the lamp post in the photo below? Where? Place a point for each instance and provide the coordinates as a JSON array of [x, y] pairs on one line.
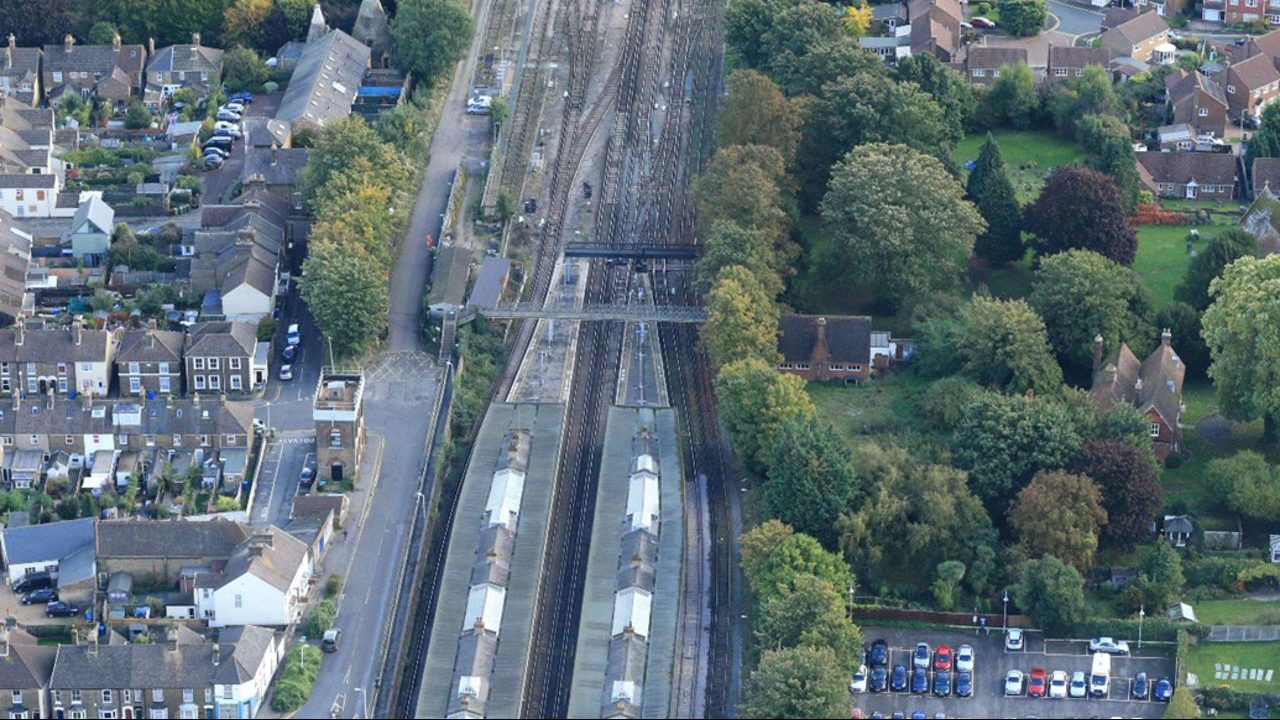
[[1006, 611], [302, 656], [1142, 612], [850, 608]]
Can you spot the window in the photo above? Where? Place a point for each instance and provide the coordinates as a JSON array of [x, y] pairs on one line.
[[71, 439], [1231, 89], [188, 695], [239, 600], [233, 363], [57, 77], [1060, 72], [335, 437], [35, 439], [31, 385], [40, 195], [204, 441], [1155, 430], [979, 72], [62, 368], [226, 692], [1251, 3], [57, 697], [164, 383], [135, 385], [199, 380], [197, 363], [215, 382], [855, 368], [106, 697], [151, 440], [134, 369], [229, 440], [237, 383], [17, 697], [1273, 19], [1204, 112], [177, 440], [213, 363], [157, 695], [126, 696], [995, 73]]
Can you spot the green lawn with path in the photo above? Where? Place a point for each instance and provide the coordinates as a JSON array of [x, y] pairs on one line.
[[883, 409], [1162, 258], [1238, 612], [1030, 155], [1201, 659]]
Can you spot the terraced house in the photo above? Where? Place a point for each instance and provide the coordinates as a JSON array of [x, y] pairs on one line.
[[224, 357], [149, 363], [55, 360], [193, 66], [110, 71], [20, 73]]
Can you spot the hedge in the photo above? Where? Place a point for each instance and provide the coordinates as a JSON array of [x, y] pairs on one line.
[[1152, 629], [297, 679], [320, 618]]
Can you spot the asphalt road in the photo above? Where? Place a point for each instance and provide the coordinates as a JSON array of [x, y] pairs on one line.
[[1075, 20]]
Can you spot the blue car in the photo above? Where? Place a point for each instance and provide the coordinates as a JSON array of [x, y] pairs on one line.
[[919, 681], [964, 684], [241, 97], [879, 680], [942, 683], [1140, 687], [898, 681], [1164, 690], [879, 656], [918, 715]]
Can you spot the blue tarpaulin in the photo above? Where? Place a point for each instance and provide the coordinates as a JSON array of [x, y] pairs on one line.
[[379, 91]]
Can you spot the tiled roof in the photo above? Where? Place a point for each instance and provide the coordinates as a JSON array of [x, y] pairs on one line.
[[150, 346], [186, 58], [1182, 168], [276, 166], [277, 564], [1162, 374], [54, 344], [1143, 27], [1117, 16], [1255, 72], [41, 181], [1065, 56], [848, 337], [191, 663], [94, 58], [996, 57], [50, 541], [1266, 173], [27, 666], [1115, 383], [325, 82], [221, 339], [178, 539]]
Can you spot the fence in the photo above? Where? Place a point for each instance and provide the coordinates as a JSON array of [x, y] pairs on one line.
[[994, 620]]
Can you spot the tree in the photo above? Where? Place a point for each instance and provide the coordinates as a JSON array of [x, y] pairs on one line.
[[345, 144], [1182, 706], [347, 294], [899, 221], [137, 116], [745, 22], [800, 682], [35, 22], [1244, 340], [743, 185], [773, 556], [430, 36], [857, 20], [796, 29], [742, 320], [1247, 484], [1023, 18], [246, 23], [755, 112], [1081, 295], [242, 69], [1003, 441], [1160, 581], [755, 400], [1051, 592], [1265, 142], [1131, 492], [825, 62], [946, 86], [1059, 514], [728, 244], [1110, 146], [1003, 345], [810, 612], [950, 573], [102, 33], [992, 193], [811, 479], [1183, 322], [1013, 100], [1223, 249], [1089, 94], [1082, 208]]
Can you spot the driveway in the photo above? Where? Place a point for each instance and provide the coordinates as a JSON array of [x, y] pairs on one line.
[[1074, 19], [217, 183]]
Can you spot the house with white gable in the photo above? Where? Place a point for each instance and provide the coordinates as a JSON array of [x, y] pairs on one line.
[[263, 583]]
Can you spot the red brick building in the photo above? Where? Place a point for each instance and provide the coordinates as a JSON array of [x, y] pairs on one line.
[[1154, 386], [837, 347]]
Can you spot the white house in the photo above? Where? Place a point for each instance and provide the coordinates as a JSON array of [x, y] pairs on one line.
[[240, 686], [264, 583], [29, 194]]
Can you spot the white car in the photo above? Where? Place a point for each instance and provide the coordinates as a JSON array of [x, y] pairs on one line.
[[1108, 645], [859, 682], [233, 106], [964, 659], [286, 372], [480, 105], [1013, 641], [1058, 684], [1079, 685], [1014, 681]]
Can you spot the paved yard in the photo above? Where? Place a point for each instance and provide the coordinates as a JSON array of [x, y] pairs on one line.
[[991, 664], [11, 606]]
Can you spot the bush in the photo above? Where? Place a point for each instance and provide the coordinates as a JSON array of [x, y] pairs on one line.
[[267, 329], [332, 586], [297, 678], [1127, 629], [320, 618]]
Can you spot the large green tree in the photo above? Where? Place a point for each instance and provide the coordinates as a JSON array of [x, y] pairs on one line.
[[797, 29], [1081, 295], [992, 192], [810, 612], [1223, 249], [1052, 593], [1243, 336], [946, 86], [1013, 100], [242, 69], [1131, 491], [799, 682], [774, 555], [727, 244], [1247, 484], [1081, 208], [430, 37], [1183, 322], [1079, 97], [341, 145], [1003, 345], [1110, 146], [1023, 18], [743, 184], [899, 221], [755, 112], [755, 400], [347, 294], [745, 22], [35, 22], [1265, 142], [1160, 580], [742, 321], [1059, 514], [811, 478], [824, 63]]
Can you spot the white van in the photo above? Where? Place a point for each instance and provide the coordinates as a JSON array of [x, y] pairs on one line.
[[1100, 677], [480, 105]]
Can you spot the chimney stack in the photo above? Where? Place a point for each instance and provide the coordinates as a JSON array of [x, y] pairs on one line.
[[151, 339], [195, 39], [151, 46], [1097, 352], [115, 42], [1166, 337], [13, 41], [171, 638], [22, 328], [67, 42], [217, 649]]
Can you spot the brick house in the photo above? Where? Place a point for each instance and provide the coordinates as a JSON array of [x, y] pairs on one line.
[[1163, 8], [982, 65], [1196, 100], [838, 347], [61, 360], [1189, 175], [111, 71], [1137, 37], [149, 361], [220, 357], [163, 548], [1066, 62], [935, 28], [1268, 44], [25, 669], [1244, 11], [1251, 85], [193, 66], [1154, 386], [338, 413], [20, 73]]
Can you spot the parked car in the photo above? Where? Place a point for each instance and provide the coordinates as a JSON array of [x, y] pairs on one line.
[[859, 682], [220, 153], [286, 372], [942, 658], [289, 353], [231, 133], [232, 106], [1013, 682], [942, 683], [982, 23], [40, 595], [480, 105], [1036, 682], [920, 658], [294, 337], [964, 684], [228, 116], [879, 679], [329, 643], [32, 581], [1140, 686], [57, 608], [879, 655], [226, 125], [212, 161], [1108, 645], [898, 679], [308, 474], [1079, 685], [1058, 684], [243, 96], [919, 681], [964, 659], [1014, 640], [220, 142], [1163, 690]]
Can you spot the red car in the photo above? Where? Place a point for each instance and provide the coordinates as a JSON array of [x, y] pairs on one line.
[[942, 660], [982, 23], [1036, 682]]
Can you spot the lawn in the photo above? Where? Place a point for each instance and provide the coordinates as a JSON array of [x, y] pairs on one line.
[[1201, 659], [1162, 257], [882, 409], [1238, 612], [1030, 155]]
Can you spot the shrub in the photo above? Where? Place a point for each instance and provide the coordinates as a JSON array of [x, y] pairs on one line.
[[267, 329], [1153, 214], [332, 586], [320, 618], [297, 678]]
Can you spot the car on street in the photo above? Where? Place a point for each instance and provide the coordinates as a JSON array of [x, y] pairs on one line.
[[1036, 682], [293, 336], [33, 581], [982, 23], [942, 658], [919, 681], [226, 125], [228, 116], [218, 142], [212, 162], [243, 97], [289, 353], [1014, 640], [920, 658], [308, 474], [964, 684], [879, 679], [480, 105], [57, 608], [1014, 681], [1163, 690], [859, 682], [329, 643], [1079, 685], [221, 153], [40, 595], [1108, 645], [898, 680], [1140, 686], [964, 659], [942, 683], [227, 133], [1058, 684], [286, 372]]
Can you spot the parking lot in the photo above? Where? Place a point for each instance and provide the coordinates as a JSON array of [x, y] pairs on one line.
[[992, 661]]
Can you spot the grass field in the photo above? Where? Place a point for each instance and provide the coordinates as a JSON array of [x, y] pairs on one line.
[[883, 409], [1162, 257], [1029, 154], [1201, 659], [1238, 612]]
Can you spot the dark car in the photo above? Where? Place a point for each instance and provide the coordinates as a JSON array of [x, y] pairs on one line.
[[942, 683], [919, 681], [57, 608], [242, 97], [41, 595], [1163, 690], [1140, 686], [289, 353], [898, 681], [879, 656], [964, 684], [34, 581], [879, 679]]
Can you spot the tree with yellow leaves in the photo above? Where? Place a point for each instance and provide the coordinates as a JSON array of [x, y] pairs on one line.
[[857, 19]]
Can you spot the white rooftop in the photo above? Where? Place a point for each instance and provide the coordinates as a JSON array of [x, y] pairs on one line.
[[505, 494], [484, 603], [631, 609], [642, 500]]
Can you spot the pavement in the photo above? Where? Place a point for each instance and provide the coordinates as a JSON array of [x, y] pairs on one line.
[[992, 661]]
